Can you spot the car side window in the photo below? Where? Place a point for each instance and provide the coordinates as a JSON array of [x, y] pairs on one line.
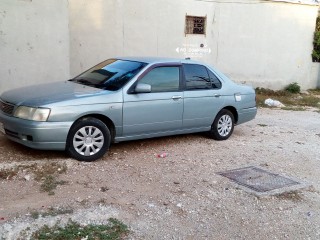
[[216, 84], [163, 79], [196, 77]]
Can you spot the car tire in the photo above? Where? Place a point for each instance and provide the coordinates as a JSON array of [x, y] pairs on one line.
[[223, 125], [88, 140]]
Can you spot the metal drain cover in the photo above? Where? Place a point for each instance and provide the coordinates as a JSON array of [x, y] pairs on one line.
[[261, 181]]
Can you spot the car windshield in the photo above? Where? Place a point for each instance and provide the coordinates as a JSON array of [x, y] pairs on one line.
[[111, 74]]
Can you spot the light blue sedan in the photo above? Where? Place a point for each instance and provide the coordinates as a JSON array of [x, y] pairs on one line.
[[124, 99]]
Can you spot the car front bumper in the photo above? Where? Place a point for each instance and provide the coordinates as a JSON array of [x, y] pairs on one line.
[[37, 135]]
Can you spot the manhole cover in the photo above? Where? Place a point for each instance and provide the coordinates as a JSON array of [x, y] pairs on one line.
[[259, 180]]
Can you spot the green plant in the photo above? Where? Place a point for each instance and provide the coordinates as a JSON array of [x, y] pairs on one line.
[[8, 174], [289, 99], [51, 212], [314, 91], [50, 183], [316, 42], [310, 101], [41, 172], [267, 91], [35, 214], [293, 88], [73, 230], [294, 108]]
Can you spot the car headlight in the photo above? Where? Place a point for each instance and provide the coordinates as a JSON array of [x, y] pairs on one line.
[[30, 113]]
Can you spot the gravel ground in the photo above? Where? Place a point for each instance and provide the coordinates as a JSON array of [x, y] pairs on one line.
[[179, 196]]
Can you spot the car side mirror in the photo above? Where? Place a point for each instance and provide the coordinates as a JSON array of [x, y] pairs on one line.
[[142, 88]]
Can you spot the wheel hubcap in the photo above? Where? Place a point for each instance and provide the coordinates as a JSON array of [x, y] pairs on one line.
[[224, 125], [88, 140]]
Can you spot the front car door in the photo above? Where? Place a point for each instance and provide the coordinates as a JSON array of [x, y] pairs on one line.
[[158, 112]]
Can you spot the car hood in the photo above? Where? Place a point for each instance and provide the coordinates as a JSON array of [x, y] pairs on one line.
[[44, 94]]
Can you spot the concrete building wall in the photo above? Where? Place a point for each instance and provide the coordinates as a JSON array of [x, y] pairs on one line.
[[269, 45], [34, 42], [263, 44]]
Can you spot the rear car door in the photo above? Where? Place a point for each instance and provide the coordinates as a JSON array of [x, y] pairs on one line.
[[202, 96], [158, 111]]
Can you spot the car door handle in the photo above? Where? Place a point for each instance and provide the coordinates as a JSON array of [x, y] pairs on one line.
[[217, 95], [176, 97]]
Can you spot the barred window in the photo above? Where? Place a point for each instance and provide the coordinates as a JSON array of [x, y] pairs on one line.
[[195, 25]]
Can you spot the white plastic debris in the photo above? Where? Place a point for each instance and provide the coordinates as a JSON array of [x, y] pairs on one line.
[[273, 103], [27, 177]]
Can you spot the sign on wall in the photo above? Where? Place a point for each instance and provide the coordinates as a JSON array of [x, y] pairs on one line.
[[193, 50]]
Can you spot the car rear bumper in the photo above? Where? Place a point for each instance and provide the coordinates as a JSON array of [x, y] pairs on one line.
[[246, 114], [38, 135]]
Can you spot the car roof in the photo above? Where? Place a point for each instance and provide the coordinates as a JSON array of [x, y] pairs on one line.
[[152, 60]]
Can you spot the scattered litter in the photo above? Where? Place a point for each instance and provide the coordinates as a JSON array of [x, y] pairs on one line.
[[27, 177], [179, 205], [273, 103], [162, 155], [1, 218], [103, 189]]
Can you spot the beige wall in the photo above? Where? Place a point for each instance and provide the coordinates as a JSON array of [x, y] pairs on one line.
[[271, 46], [34, 42], [265, 44]]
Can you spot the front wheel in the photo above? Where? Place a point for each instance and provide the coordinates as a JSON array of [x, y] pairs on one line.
[[88, 140], [222, 126]]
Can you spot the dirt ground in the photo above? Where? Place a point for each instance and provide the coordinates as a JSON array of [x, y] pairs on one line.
[[179, 196]]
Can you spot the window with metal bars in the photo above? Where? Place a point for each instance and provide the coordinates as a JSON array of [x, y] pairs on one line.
[[195, 25]]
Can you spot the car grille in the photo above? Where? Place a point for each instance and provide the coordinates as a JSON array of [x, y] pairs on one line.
[[6, 107]]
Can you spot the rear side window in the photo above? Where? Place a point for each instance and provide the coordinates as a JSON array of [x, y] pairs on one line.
[[196, 77], [163, 79], [214, 80]]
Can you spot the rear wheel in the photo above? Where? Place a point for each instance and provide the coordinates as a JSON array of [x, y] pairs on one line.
[[88, 140], [223, 125]]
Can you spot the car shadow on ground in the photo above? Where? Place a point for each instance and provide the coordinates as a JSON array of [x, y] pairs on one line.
[[12, 151]]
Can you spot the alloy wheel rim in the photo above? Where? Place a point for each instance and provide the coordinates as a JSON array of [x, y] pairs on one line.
[[88, 140], [224, 125]]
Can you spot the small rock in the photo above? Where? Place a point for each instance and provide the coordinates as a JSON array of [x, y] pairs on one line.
[[27, 177], [179, 205], [103, 189]]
